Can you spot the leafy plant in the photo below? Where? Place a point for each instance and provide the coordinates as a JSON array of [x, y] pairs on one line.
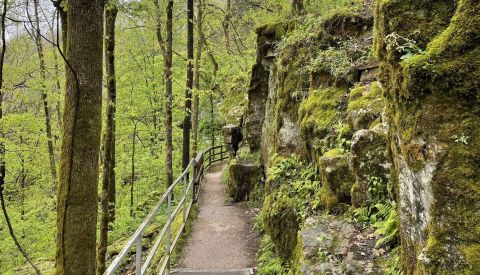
[[393, 265], [404, 45], [268, 262], [387, 228], [375, 187]]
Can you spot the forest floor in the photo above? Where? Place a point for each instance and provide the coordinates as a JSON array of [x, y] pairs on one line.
[[222, 235]]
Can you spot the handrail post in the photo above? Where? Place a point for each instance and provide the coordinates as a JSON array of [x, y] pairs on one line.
[[138, 256], [169, 225], [210, 156], [185, 186]]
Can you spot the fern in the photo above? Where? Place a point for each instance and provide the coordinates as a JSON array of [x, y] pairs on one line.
[[388, 228]]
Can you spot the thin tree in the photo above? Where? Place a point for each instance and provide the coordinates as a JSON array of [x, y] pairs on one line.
[[107, 200], [196, 79], [188, 92], [37, 35], [166, 48], [77, 195], [226, 25], [2, 146]]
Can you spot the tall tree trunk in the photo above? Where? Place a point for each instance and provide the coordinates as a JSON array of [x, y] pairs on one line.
[[77, 194], [188, 92], [212, 113], [169, 95], [213, 85], [166, 48], [226, 24], [2, 145], [107, 200], [46, 108], [132, 176], [58, 107], [196, 79]]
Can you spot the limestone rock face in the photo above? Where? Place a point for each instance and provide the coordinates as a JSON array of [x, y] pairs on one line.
[[336, 174], [332, 245], [244, 175], [433, 99], [369, 162], [257, 95]]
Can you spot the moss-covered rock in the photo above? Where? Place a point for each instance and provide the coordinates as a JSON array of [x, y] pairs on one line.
[[335, 173], [243, 176], [319, 115], [334, 245], [365, 106], [433, 99], [370, 162], [281, 222]]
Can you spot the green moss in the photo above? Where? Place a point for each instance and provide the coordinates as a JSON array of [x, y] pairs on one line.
[[275, 30], [431, 98], [320, 110], [281, 223], [361, 97], [472, 257], [333, 153], [327, 197]]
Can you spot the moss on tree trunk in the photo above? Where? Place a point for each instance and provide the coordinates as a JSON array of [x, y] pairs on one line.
[[77, 196]]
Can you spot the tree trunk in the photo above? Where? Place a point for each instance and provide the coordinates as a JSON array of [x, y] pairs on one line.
[[167, 52], [132, 175], [188, 92], [169, 95], [58, 107], [77, 195], [226, 24], [46, 108], [196, 79], [107, 200]]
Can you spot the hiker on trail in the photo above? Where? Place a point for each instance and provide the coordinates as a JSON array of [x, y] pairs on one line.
[[237, 137]]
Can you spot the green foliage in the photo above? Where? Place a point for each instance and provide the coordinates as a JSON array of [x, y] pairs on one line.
[[387, 228], [405, 46], [268, 263], [383, 217], [293, 185], [393, 263]]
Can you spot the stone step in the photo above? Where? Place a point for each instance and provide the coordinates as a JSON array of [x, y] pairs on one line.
[[244, 271]]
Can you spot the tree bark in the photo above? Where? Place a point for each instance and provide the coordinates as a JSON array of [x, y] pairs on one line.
[[226, 24], [107, 200], [169, 94], [196, 79], [167, 50], [77, 194], [132, 175], [46, 108], [188, 93]]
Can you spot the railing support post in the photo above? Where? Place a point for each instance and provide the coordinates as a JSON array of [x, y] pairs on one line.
[[185, 186], [169, 227], [138, 256]]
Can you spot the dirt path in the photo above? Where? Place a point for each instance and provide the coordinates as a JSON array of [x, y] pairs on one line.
[[222, 237]]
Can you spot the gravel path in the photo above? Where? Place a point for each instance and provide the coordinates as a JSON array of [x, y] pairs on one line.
[[222, 237]]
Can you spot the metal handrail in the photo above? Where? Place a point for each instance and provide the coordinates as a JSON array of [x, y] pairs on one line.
[[190, 178]]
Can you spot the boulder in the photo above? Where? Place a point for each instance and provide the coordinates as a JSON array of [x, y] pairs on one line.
[[334, 245], [244, 175], [369, 162]]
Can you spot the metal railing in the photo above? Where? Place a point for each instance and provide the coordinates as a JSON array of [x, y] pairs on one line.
[[190, 180]]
